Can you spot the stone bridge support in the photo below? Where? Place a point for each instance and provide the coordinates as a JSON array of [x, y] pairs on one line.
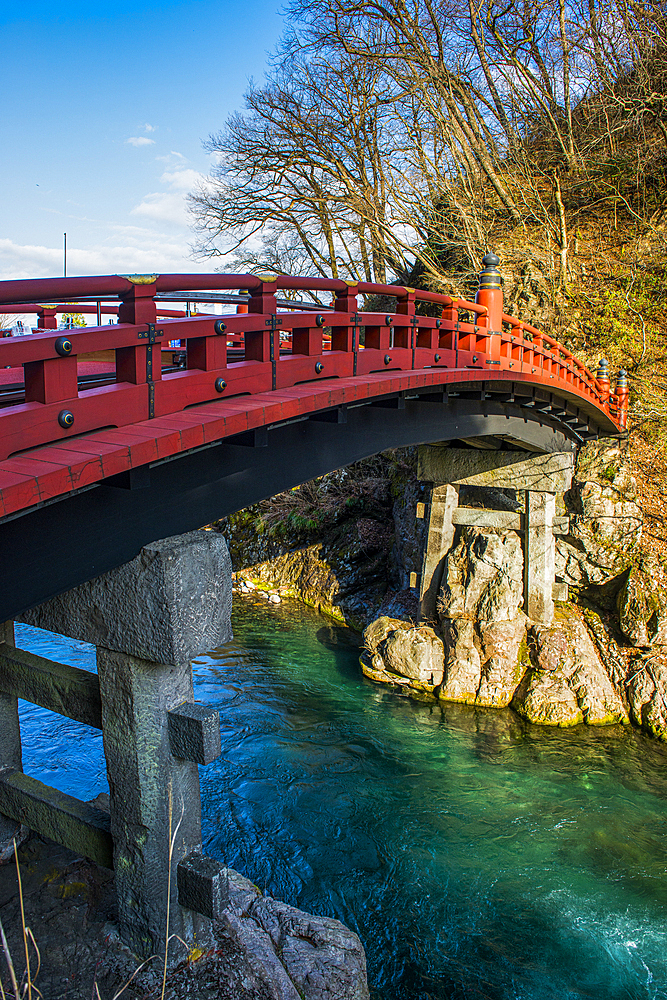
[[538, 476], [148, 620]]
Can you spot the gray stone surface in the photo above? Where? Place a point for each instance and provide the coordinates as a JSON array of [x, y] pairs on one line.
[[154, 797], [67, 690], [539, 556], [323, 958], [74, 824], [444, 501], [168, 605], [10, 748], [478, 517], [203, 884], [292, 955], [500, 469], [194, 733]]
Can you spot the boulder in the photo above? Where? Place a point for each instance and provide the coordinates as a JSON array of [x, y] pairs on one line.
[[566, 683], [646, 690], [406, 655], [483, 577], [287, 954], [483, 664]]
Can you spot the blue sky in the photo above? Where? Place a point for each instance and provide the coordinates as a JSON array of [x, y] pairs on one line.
[[102, 116]]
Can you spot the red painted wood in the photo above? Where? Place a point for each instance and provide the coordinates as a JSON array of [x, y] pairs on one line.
[[398, 354], [51, 380]]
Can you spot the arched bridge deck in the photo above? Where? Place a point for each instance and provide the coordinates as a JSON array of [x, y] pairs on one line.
[[110, 437]]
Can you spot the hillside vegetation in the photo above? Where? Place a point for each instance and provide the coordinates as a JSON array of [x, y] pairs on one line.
[[399, 140]]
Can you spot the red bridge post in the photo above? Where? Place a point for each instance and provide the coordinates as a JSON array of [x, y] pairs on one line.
[[46, 318], [490, 294], [622, 398]]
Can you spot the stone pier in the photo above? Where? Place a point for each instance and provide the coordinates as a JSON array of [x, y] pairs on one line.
[[10, 746], [148, 620], [538, 476]]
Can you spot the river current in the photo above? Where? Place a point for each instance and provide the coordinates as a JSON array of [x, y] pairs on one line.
[[477, 856]]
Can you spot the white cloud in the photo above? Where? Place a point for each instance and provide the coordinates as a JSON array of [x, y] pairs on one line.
[[140, 140], [170, 205], [146, 252], [150, 128], [173, 159]]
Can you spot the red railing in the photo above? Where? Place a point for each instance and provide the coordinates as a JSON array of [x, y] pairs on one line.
[[269, 347]]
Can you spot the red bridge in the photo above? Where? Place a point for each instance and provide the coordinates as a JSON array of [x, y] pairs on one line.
[[110, 438]]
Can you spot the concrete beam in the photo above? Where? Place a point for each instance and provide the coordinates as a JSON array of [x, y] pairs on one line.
[[515, 470], [502, 520], [168, 605], [67, 690], [63, 818], [539, 557], [478, 517]]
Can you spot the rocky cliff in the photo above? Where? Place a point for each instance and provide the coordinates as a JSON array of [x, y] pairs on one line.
[[602, 660]]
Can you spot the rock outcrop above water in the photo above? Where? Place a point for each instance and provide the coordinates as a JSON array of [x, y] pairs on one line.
[[480, 618], [287, 954], [404, 655], [566, 682], [562, 674]]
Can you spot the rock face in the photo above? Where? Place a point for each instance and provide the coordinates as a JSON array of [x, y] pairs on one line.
[[354, 542], [605, 521], [642, 604], [566, 683], [482, 624], [646, 690]]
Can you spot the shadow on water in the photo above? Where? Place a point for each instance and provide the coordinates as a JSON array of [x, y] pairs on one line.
[[477, 856]]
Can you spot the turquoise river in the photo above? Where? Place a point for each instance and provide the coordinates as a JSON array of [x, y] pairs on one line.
[[475, 855]]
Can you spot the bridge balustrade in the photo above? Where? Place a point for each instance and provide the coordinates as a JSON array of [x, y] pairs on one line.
[[273, 346]]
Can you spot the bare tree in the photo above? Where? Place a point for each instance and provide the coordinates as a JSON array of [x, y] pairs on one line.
[[400, 137]]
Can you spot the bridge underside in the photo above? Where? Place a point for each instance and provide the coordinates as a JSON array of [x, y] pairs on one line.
[[60, 544]]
